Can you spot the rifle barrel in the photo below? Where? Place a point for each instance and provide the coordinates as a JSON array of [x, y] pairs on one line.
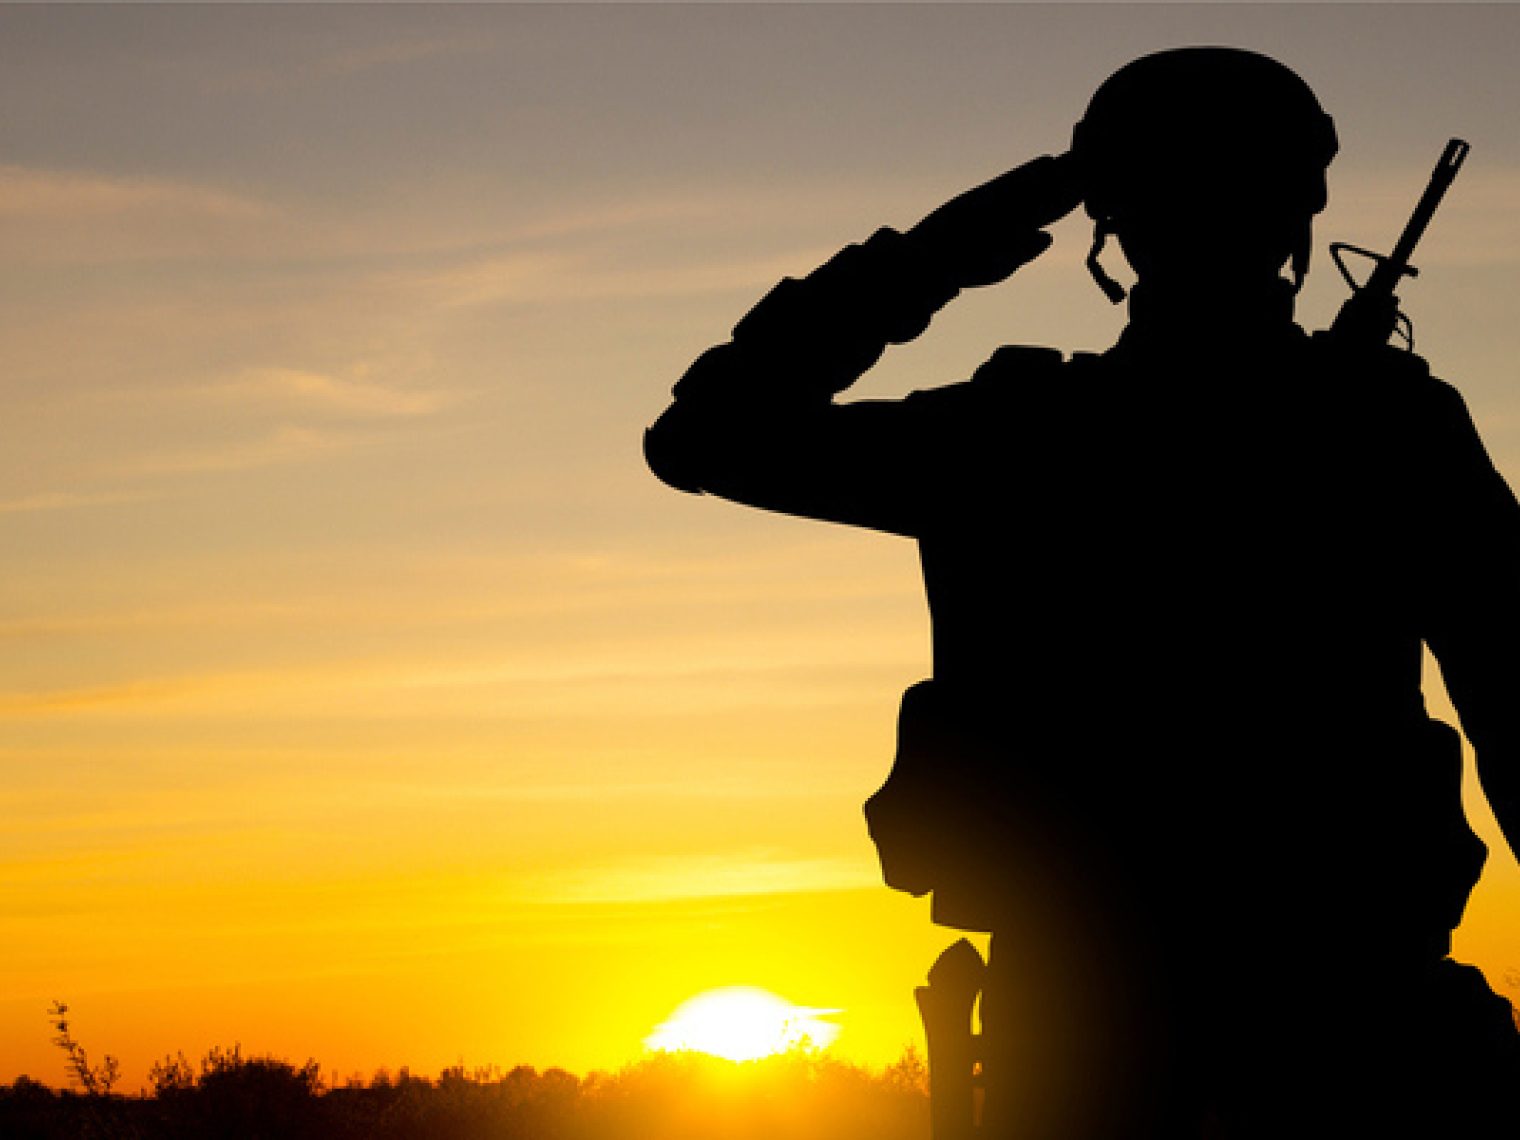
[[1386, 275]]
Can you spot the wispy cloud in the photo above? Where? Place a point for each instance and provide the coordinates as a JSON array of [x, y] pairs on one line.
[[748, 791], [542, 278], [286, 444], [698, 877], [343, 63], [316, 391], [28, 193], [129, 693], [67, 500], [82, 217]]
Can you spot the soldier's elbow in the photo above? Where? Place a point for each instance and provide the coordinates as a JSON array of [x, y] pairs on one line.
[[669, 454]]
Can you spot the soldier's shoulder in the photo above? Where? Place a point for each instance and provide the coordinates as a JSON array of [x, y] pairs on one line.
[[1377, 363], [1385, 376]]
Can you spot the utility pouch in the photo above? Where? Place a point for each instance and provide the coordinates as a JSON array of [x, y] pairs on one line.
[[930, 820], [898, 815], [959, 815]]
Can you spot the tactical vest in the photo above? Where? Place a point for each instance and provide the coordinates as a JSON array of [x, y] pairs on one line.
[[949, 818]]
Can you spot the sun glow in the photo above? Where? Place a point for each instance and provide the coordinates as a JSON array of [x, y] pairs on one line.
[[741, 1023]]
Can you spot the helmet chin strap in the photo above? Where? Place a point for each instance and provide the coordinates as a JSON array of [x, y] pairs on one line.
[[1111, 288], [1303, 245]]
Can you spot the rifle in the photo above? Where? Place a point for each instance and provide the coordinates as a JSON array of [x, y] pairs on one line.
[[1371, 314]]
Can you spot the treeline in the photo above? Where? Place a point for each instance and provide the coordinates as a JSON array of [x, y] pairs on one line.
[[229, 1096]]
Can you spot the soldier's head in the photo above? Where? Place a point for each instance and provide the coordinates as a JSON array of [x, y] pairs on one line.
[[1205, 162]]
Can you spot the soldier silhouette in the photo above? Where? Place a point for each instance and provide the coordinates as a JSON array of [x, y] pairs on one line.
[[1174, 754]]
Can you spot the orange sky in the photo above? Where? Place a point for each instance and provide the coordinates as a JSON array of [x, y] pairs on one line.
[[365, 697]]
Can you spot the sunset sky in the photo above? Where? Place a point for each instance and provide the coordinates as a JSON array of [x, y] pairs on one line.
[[364, 697]]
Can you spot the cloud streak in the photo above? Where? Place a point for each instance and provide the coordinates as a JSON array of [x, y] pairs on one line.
[[68, 500], [287, 444], [542, 278], [700, 877], [341, 64], [320, 392], [31, 194]]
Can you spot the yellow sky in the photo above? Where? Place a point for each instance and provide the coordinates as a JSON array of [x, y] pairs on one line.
[[365, 698]]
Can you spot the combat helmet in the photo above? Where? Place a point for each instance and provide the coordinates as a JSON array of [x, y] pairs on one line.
[[1203, 128]]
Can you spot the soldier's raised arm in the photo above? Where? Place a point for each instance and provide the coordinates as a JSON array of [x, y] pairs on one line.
[[754, 419]]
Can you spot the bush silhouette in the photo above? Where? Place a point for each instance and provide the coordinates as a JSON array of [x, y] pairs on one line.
[[238, 1097], [230, 1095]]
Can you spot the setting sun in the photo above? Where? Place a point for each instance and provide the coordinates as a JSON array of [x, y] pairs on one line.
[[741, 1023]]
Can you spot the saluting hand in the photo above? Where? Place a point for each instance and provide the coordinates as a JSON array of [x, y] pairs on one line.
[[982, 236]]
